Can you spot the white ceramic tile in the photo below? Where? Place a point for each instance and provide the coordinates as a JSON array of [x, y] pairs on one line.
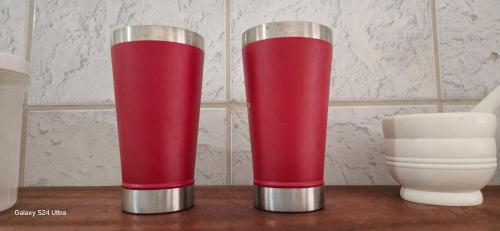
[[211, 153], [70, 53], [242, 173], [354, 151], [80, 148], [72, 148], [71, 44], [382, 49], [465, 108], [457, 108], [469, 47], [13, 29]]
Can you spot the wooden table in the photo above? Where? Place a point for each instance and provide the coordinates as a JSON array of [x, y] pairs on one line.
[[230, 208]]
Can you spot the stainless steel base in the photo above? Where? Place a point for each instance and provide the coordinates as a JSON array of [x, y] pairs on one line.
[[157, 201], [289, 200]]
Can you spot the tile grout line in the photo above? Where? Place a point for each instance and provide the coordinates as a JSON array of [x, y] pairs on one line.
[[227, 53], [229, 104], [394, 103], [24, 132], [29, 30], [435, 48], [106, 106]]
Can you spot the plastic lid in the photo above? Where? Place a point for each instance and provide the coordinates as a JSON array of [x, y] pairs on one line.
[[14, 63]]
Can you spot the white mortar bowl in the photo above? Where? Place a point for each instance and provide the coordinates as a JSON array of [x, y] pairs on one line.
[[441, 158]]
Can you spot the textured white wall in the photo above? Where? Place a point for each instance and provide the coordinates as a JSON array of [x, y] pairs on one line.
[[388, 59]]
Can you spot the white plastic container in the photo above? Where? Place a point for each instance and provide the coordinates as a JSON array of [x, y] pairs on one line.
[[14, 79]]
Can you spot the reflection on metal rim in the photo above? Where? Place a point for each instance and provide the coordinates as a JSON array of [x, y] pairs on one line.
[[159, 33], [289, 200], [287, 29], [157, 201]]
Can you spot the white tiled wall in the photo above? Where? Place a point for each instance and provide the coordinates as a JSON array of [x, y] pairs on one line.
[[71, 42], [382, 49], [390, 57], [81, 148], [72, 148], [469, 47], [354, 152], [13, 26]]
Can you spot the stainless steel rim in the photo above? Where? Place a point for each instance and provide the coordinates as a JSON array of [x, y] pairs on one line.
[[290, 200], [159, 33], [287, 29], [157, 201]]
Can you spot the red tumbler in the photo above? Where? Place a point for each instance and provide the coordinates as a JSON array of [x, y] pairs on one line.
[[157, 73], [287, 77]]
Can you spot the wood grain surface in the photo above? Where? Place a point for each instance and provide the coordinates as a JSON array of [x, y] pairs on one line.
[[231, 208]]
